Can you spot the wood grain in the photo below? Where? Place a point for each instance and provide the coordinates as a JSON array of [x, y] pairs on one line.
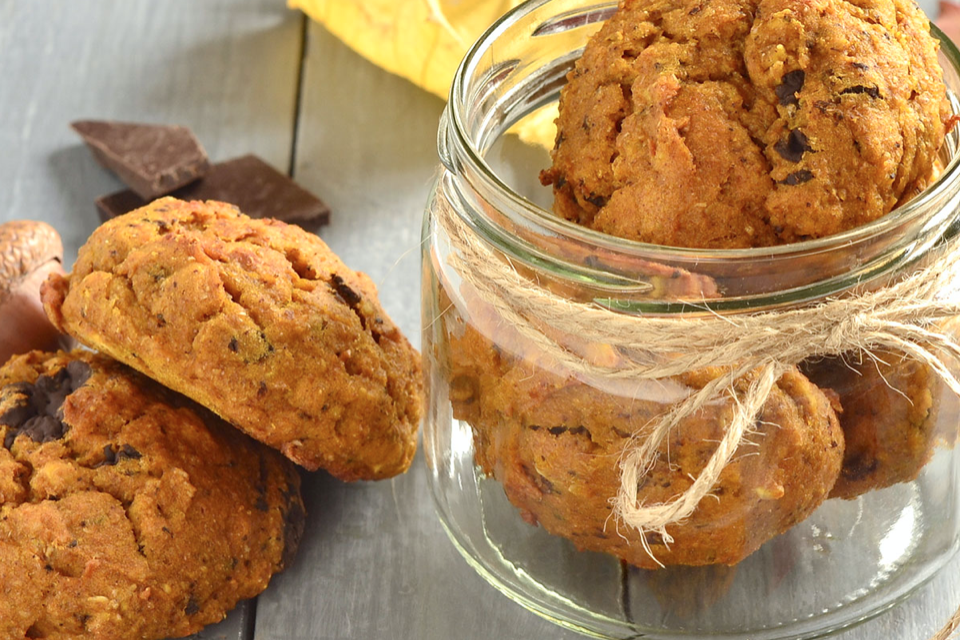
[[375, 562], [228, 69]]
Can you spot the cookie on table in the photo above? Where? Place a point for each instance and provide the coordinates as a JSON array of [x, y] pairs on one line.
[[258, 321], [126, 511], [741, 123]]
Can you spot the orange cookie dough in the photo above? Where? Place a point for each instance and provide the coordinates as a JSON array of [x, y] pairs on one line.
[[255, 319], [746, 123], [126, 511]]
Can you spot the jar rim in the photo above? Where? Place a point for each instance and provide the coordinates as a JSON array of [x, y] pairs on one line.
[[485, 181]]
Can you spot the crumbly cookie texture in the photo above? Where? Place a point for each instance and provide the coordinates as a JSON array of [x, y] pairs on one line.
[[127, 511], [258, 321], [746, 123], [554, 442]]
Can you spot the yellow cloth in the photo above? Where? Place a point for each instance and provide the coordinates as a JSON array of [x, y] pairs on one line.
[[420, 40]]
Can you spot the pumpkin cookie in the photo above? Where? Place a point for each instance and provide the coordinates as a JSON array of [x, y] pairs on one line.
[[747, 123], [554, 441], [258, 321], [126, 511]]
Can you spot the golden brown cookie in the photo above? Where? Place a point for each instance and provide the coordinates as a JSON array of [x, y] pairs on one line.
[[555, 442], [889, 418], [255, 319], [126, 511], [745, 123]]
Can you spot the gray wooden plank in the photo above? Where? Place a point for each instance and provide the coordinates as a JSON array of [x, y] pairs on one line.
[[229, 69], [226, 68]]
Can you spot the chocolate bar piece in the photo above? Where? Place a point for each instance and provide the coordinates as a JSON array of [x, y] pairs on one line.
[[259, 190], [153, 160]]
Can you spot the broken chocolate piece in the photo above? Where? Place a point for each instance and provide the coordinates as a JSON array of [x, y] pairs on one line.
[[789, 87], [39, 413], [797, 177], [152, 160], [192, 607], [793, 148], [259, 190]]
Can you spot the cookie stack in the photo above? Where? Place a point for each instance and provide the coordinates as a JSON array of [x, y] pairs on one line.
[[135, 500]]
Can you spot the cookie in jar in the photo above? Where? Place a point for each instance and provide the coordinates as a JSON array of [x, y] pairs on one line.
[[653, 364]]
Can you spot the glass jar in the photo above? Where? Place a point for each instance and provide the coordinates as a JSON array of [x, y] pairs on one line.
[[530, 418]]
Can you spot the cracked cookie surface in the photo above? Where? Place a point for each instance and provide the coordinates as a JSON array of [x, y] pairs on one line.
[[256, 320], [746, 123], [126, 511]]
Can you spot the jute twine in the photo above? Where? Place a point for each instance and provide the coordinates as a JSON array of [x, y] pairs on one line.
[[949, 630], [904, 316]]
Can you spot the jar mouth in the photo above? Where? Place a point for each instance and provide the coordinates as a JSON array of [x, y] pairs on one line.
[[501, 80]]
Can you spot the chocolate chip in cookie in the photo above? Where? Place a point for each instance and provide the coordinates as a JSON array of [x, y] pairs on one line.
[[128, 512], [38, 413]]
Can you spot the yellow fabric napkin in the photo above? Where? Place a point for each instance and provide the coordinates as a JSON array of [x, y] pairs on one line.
[[420, 40]]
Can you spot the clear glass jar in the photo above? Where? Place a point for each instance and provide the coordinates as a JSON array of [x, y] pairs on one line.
[[516, 437]]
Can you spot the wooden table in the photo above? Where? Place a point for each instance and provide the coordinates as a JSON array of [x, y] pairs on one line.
[[252, 76]]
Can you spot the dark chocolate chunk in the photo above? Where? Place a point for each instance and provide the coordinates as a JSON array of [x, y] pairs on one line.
[[78, 372], [192, 607], [579, 430], [259, 190], [126, 451], [597, 200], [151, 159], [349, 296], [793, 148], [873, 92], [797, 177], [789, 87], [39, 412], [109, 457], [43, 429]]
